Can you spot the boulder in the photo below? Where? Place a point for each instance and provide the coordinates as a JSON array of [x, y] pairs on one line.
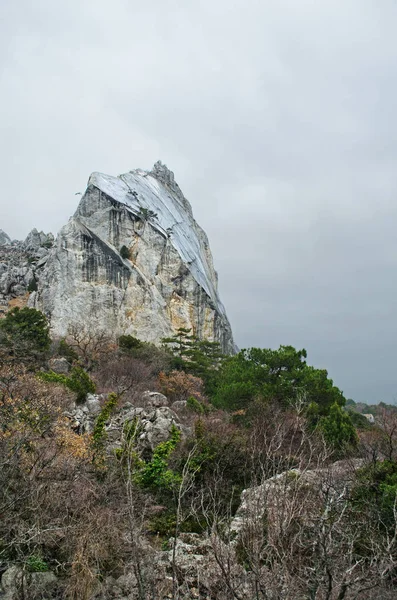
[[179, 405], [5, 239], [93, 404], [59, 365], [156, 427], [36, 585], [37, 241], [154, 399]]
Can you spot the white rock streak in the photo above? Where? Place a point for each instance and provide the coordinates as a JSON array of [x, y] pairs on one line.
[[172, 220]]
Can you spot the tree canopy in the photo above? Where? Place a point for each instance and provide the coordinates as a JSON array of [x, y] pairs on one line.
[[281, 375], [24, 333]]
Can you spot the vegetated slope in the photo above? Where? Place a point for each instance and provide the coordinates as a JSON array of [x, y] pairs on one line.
[[137, 490]]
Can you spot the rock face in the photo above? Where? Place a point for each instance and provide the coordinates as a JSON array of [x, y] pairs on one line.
[[20, 265], [132, 260], [5, 239], [17, 583]]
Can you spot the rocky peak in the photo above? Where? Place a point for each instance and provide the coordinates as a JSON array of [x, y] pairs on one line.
[[163, 174], [20, 266], [5, 239], [133, 260], [38, 239]]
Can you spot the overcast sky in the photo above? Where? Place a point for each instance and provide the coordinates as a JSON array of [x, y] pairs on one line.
[[278, 118]]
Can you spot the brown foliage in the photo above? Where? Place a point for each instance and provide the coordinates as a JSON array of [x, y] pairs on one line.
[[179, 385]]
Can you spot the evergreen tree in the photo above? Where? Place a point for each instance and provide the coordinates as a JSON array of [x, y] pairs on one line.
[[338, 429], [24, 334]]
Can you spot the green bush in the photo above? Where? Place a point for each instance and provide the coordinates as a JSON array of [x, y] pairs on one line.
[[359, 421], [155, 473], [78, 381], [195, 406], [35, 564], [129, 342], [99, 433], [124, 252], [32, 287], [64, 349], [338, 430], [25, 333], [376, 492]]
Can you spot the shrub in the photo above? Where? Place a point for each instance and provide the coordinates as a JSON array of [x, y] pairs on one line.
[[99, 434], [81, 383], [157, 359], [129, 342], [32, 287], [64, 349], [338, 430], [196, 406], [35, 564], [376, 490], [179, 385], [78, 381], [124, 252], [155, 473], [25, 333]]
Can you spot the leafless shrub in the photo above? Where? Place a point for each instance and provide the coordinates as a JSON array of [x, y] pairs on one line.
[[90, 342], [125, 375]]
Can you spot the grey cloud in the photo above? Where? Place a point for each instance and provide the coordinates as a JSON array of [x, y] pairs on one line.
[[278, 120]]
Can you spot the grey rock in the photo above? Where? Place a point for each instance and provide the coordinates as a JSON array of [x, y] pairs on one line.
[[282, 488], [156, 427], [36, 241], [195, 561], [59, 365], [5, 239], [17, 289], [20, 265], [155, 424], [168, 281], [154, 399], [41, 253], [38, 583], [43, 581], [11, 582], [93, 404], [179, 405]]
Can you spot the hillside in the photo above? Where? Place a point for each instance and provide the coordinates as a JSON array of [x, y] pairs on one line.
[[129, 470]]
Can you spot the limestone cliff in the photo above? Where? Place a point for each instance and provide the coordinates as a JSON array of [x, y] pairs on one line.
[[134, 261]]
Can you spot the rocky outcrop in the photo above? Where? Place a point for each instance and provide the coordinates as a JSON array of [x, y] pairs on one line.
[[17, 583], [5, 239], [132, 260], [295, 492], [38, 242], [20, 265], [155, 420]]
